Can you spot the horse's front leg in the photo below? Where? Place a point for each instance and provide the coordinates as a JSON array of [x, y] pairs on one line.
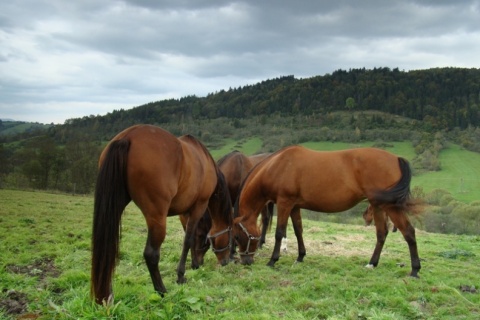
[[400, 220], [156, 235], [282, 219], [382, 232], [296, 217]]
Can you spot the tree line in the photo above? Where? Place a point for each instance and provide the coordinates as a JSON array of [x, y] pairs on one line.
[[427, 107]]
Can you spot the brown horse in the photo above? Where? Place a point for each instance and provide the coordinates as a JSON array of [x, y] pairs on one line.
[[164, 176], [235, 166], [296, 177]]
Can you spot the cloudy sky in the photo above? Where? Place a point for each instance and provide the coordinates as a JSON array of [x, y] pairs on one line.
[[68, 59]]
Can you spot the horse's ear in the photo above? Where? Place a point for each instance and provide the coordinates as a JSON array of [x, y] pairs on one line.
[[238, 219]]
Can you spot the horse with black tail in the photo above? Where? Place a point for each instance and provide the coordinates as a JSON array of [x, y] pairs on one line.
[[325, 181], [164, 176]]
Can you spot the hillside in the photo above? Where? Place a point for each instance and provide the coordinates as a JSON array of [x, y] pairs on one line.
[[429, 110], [12, 127]]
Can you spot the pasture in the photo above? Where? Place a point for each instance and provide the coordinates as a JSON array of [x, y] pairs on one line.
[[45, 272]]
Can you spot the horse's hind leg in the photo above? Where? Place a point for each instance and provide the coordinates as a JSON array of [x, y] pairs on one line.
[[296, 217], [400, 220], [382, 232], [156, 235]]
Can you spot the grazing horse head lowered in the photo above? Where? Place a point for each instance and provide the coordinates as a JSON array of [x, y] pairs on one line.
[[329, 181]]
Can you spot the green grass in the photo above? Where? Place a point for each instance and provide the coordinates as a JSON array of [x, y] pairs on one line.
[[45, 262], [459, 174], [249, 146]]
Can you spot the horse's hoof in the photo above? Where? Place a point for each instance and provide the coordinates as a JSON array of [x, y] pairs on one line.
[[182, 280], [161, 293], [370, 266], [271, 263]]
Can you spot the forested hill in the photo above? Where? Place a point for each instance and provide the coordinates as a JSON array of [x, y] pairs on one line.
[[444, 97], [426, 107]]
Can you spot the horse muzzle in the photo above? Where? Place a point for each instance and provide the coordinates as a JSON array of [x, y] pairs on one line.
[[224, 262], [246, 260]]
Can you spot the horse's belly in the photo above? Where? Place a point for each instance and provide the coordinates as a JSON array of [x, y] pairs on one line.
[[331, 203]]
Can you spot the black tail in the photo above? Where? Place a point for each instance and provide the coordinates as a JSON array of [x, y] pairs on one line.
[[399, 195], [269, 214], [111, 198]]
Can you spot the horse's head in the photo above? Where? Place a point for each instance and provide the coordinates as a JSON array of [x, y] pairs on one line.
[[247, 237], [221, 242]]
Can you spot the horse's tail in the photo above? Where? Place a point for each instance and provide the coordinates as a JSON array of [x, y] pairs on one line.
[[269, 214], [399, 195], [111, 198]]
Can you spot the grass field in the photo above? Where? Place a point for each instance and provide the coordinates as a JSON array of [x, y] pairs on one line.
[[248, 147], [45, 265]]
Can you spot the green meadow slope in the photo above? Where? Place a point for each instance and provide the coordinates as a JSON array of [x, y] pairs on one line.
[[45, 272]]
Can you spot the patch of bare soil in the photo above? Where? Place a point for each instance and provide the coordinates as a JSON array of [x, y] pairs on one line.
[[340, 245], [467, 288], [41, 268], [15, 303]]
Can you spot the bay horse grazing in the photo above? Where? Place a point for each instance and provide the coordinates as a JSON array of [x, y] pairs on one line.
[[235, 166], [164, 176], [330, 181]]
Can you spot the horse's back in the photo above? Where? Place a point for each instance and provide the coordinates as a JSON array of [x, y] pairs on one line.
[[309, 176], [166, 171], [235, 167], [199, 168], [257, 158]]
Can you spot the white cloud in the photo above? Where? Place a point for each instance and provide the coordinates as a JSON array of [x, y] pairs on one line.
[[60, 60]]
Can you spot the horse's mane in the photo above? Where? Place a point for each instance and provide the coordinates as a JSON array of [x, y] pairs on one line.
[[221, 190]]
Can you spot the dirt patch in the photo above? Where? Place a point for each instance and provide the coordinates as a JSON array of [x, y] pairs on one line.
[[15, 303], [469, 289], [41, 268], [340, 245]]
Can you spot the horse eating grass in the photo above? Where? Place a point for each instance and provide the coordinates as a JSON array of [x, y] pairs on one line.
[[329, 181], [235, 166], [164, 176]]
